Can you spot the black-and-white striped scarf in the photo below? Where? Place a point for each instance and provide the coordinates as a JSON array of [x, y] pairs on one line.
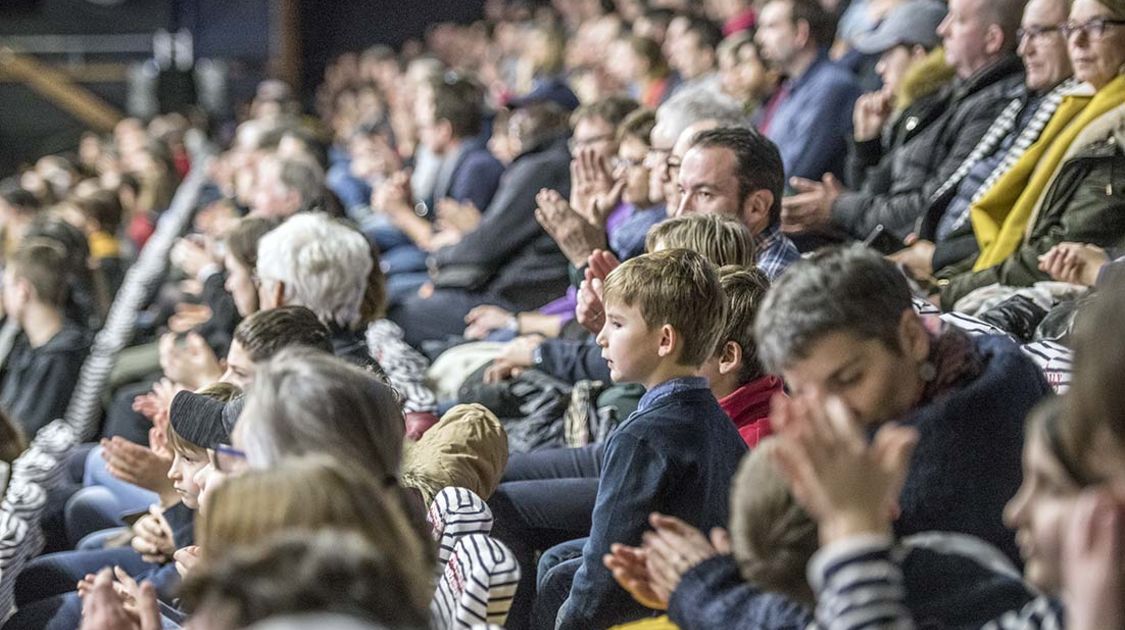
[[1027, 137]]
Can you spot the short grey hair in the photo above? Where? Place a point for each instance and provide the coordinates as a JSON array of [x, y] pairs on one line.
[[306, 401], [323, 263], [845, 289], [688, 107]]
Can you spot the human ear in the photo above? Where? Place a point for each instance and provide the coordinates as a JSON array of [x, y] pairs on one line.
[[756, 209], [913, 336], [731, 358], [669, 340], [993, 39]]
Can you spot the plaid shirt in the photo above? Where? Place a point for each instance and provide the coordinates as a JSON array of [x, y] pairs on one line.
[[775, 252]]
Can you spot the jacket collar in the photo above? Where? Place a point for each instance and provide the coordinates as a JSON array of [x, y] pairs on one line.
[[1001, 69]]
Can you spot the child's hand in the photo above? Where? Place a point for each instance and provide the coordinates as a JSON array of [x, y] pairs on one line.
[[102, 608], [848, 485], [628, 566], [152, 537], [186, 560], [672, 549]]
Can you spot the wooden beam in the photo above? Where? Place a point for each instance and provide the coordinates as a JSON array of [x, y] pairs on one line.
[[58, 88]]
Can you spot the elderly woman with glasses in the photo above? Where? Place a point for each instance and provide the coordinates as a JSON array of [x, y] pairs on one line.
[[1068, 186]]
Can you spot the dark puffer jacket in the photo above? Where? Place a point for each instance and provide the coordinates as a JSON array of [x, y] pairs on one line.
[[934, 137]]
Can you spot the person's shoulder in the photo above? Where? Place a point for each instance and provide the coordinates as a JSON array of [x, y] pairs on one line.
[[834, 75], [71, 338], [481, 157]]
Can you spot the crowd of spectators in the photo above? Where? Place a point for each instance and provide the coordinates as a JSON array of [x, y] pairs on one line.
[[772, 314]]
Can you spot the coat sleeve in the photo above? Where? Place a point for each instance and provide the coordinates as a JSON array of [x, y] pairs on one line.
[[916, 179], [1094, 213], [859, 586], [633, 480], [713, 595]]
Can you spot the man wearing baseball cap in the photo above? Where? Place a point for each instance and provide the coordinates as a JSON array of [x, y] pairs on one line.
[[892, 181]]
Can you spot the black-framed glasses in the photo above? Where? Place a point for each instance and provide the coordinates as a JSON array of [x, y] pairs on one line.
[[1037, 32], [229, 459], [1094, 29]]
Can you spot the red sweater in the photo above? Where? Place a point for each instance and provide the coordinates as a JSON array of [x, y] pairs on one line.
[[749, 408]]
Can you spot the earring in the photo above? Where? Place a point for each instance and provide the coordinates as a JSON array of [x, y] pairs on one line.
[[928, 371]]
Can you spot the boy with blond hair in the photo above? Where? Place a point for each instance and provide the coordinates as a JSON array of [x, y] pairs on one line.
[[677, 452]]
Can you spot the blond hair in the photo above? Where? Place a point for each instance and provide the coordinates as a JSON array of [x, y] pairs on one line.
[[721, 239], [310, 493], [772, 538], [677, 287]]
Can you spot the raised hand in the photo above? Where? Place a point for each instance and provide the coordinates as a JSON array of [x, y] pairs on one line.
[[872, 111], [594, 192], [849, 486], [1092, 561], [671, 550], [575, 236]]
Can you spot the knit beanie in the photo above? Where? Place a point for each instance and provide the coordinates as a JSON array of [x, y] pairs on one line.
[[231, 411], [198, 419]]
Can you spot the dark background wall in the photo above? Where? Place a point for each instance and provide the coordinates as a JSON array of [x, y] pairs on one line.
[[331, 27], [245, 33]]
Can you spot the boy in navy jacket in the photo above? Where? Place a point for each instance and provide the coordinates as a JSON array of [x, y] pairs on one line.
[[678, 452]]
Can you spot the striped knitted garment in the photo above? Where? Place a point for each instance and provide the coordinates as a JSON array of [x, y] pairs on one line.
[[1004, 125]]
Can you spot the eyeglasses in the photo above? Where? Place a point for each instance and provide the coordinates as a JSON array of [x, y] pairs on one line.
[[625, 163], [1093, 29], [574, 143], [1037, 32], [673, 163], [229, 459]]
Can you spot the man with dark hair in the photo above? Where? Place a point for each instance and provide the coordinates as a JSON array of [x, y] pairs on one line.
[[737, 172], [265, 333], [693, 56], [450, 116], [810, 116]]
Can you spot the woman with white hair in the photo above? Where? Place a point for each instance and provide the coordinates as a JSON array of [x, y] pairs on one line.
[[329, 267]]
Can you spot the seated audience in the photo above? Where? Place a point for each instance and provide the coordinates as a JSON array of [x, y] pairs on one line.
[[945, 234], [675, 449], [508, 260], [979, 40], [1066, 187], [449, 114]]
